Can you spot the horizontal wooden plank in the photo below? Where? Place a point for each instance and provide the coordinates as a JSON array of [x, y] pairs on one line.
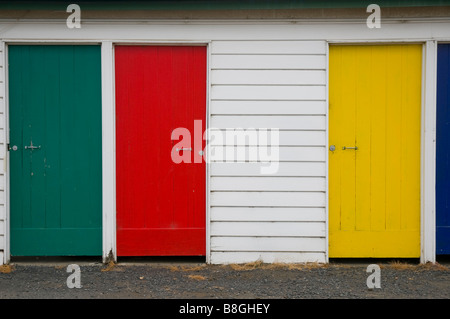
[[268, 77], [268, 92], [268, 47], [272, 122], [268, 107], [268, 244], [2, 256], [272, 153], [2, 74], [286, 138], [2, 242], [310, 184], [271, 214], [268, 229], [2, 212], [2, 106], [269, 62], [255, 169], [266, 257], [268, 199]]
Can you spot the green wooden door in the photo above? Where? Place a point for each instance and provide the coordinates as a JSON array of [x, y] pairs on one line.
[[55, 150]]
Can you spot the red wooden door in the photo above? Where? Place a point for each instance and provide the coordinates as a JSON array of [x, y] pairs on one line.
[[161, 205]]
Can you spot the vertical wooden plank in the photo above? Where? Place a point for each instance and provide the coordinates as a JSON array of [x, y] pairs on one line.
[[335, 138], [51, 142], [378, 138], [411, 132], [393, 130], [19, 191], [348, 125], [108, 153], [36, 134], [428, 158], [442, 151], [364, 135]]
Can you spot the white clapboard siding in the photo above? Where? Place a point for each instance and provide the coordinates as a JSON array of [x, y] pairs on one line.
[[268, 214], [268, 77], [229, 107], [237, 257], [283, 122], [270, 153], [286, 138], [268, 92], [268, 62], [268, 199], [267, 244], [268, 47], [268, 229], [2, 155], [254, 169], [287, 184], [277, 215]]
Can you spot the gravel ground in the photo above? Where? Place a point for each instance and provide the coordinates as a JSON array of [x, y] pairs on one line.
[[193, 280]]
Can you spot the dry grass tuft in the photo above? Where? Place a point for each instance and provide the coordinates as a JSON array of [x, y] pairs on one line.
[[110, 266], [435, 266], [398, 265], [6, 269], [248, 266], [197, 277], [187, 268]]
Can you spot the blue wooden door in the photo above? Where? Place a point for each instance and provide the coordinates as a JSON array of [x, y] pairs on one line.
[[443, 152]]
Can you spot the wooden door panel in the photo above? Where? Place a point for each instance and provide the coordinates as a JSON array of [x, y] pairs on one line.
[[375, 105], [55, 104], [160, 205]]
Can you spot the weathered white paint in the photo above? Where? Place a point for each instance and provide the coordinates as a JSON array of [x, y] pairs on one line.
[[268, 199], [263, 74], [108, 152], [428, 158], [281, 122], [268, 229], [4, 227], [296, 244], [238, 257], [273, 184], [254, 169], [268, 214], [286, 154], [230, 107]]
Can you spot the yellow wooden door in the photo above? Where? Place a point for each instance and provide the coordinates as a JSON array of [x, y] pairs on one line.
[[374, 190]]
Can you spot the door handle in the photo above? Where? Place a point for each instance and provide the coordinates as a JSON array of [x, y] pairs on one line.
[[183, 149], [32, 147], [350, 148]]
